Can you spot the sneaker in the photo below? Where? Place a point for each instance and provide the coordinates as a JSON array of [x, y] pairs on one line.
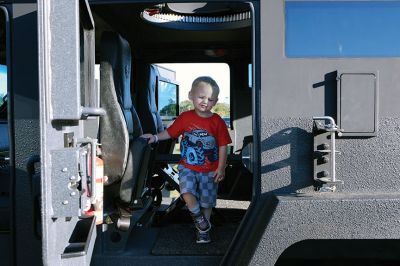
[[201, 222], [203, 237]]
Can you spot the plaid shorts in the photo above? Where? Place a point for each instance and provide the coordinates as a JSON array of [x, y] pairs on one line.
[[201, 185]]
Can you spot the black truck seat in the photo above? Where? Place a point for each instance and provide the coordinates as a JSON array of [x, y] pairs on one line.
[[125, 154], [152, 123]]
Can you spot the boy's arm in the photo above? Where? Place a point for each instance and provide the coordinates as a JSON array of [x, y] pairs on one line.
[[220, 172], [155, 138]]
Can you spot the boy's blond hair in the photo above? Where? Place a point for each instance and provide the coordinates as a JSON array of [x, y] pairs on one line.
[[208, 80]]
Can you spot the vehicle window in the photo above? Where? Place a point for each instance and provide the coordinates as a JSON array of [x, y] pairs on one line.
[[3, 83], [3, 63], [250, 76], [342, 28], [3, 66], [167, 99]]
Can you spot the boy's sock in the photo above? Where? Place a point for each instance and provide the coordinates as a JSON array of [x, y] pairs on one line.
[[195, 209]]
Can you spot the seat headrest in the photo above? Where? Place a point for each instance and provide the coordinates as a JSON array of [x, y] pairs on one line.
[[117, 52]]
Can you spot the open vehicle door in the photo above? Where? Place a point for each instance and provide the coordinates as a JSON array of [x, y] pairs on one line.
[[69, 111]]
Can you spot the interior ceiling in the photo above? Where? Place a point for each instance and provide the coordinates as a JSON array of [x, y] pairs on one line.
[[207, 7], [180, 45]]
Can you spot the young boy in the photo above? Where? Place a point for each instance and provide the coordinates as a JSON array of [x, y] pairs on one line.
[[203, 153]]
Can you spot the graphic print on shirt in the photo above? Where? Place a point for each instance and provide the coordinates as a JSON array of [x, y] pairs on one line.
[[197, 146]]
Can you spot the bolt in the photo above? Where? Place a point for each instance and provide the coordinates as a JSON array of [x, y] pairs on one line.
[[73, 193], [65, 202], [72, 177], [65, 169]]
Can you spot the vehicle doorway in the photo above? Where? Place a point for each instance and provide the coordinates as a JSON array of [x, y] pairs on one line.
[[154, 55]]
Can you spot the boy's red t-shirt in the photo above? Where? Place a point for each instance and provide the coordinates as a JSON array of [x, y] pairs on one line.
[[201, 137]]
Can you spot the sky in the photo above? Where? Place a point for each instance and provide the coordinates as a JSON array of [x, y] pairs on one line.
[[187, 72]]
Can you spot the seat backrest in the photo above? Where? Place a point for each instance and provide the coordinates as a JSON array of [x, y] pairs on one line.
[[120, 129], [116, 51], [4, 141], [147, 107], [146, 100]]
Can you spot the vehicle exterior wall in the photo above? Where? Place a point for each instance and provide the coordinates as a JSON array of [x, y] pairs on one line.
[[288, 209], [290, 99]]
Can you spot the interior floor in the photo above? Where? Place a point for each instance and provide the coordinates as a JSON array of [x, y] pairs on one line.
[[172, 237]]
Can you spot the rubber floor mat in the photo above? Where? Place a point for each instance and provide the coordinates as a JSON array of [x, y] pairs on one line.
[[180, 239]]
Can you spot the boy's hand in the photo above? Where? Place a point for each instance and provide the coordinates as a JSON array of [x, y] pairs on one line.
[[219, 175], [150, 137]]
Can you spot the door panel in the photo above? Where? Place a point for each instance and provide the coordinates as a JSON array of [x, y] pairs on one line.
[[67, 100]]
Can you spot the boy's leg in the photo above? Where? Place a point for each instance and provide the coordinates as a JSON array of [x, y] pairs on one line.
[[188, 184], [207, 212], [204, 238], [188, 187], [191, 200], [207, 200], [200, 220], [207, 193]]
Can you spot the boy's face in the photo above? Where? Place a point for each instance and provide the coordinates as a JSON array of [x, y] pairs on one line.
[[203, 98]]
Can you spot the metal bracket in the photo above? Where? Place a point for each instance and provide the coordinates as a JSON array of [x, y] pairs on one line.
[[325, 153], [68, 181]]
